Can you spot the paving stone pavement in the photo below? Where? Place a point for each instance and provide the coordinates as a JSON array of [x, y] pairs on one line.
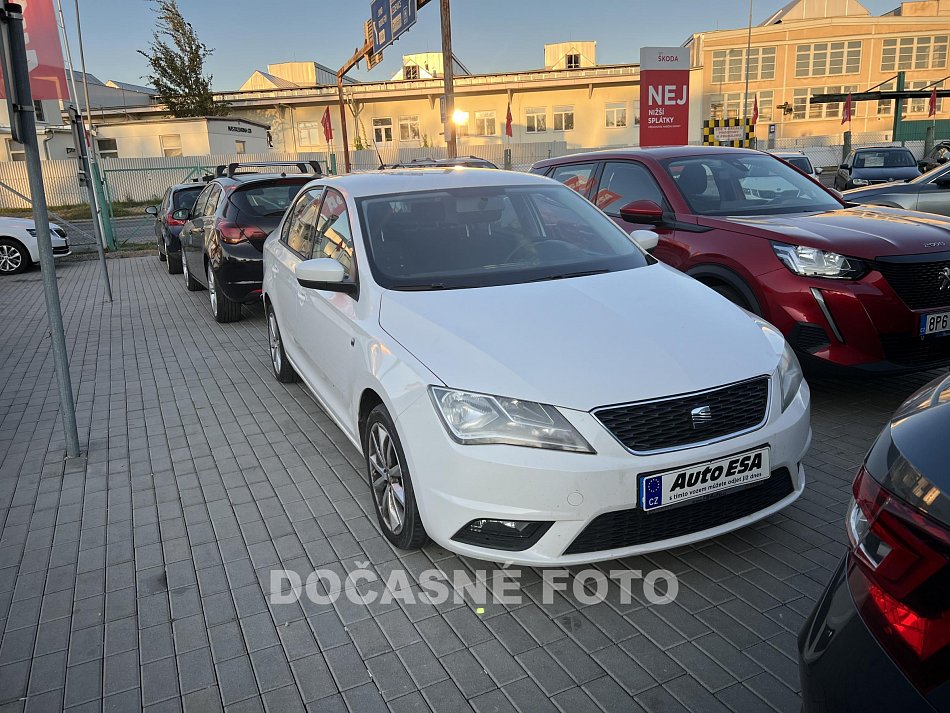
[[136, 576]]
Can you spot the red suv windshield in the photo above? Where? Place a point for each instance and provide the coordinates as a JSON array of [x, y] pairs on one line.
[[745, 184]]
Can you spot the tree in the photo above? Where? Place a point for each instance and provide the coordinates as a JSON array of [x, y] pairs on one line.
[[177, 58]]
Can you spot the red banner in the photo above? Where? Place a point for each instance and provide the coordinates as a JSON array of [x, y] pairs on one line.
[[44, 53], [664, 96]]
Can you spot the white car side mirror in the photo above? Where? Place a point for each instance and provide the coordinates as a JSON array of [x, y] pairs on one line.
[[646, 239], [322, 270], [818, 170]]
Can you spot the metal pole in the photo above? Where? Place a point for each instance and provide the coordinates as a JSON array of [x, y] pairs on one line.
[[898, 107], [748, 51], [451, 144], [78, 131], [20, 100], [346, 140]]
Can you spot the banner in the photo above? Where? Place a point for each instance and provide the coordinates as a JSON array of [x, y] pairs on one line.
[[664, 96], [44, 53], [737, 133]]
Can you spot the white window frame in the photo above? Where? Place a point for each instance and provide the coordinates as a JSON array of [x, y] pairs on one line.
[[382, 126], [410, 69], [485, 123], [240, 146], [167, 143], [910, 53], [613, 110], [16, 154], [409, 125], [107, 152], [531, 116], [309, 133], [828, 59], [562, 113], [572, 61]]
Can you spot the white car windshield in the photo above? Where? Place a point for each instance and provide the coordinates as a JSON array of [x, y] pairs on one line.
[[746, 184], [486, 236]]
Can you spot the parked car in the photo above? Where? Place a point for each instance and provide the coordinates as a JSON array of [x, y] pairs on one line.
[[18, 247], [849, 287], [167, 228], [524, 381], [879, 636], [929, 192], [799, 160], [937, 156], [879, 164], [224, 233], [466, 161]]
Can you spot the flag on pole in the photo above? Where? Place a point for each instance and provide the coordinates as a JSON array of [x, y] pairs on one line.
[[508, 122], [932, 107], [327, 126], [755, 111], [846, 114]]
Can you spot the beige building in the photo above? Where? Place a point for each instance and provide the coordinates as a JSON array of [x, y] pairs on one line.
[[181, 137], [824, 46]]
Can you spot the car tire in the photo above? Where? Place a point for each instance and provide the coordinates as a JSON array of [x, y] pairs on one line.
[[14, 258], [390, 482], [223, 308], [173, 263], [161, 254], [191, 284], [283, 371]]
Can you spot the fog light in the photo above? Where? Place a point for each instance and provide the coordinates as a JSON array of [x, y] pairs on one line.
[[511, 535]]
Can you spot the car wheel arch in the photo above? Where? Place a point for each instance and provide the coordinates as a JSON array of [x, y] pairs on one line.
[[369, 399], [712, 275], [19, 244]]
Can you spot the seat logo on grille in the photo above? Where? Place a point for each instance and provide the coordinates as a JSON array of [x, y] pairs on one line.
[[944, 276], [701, 415]]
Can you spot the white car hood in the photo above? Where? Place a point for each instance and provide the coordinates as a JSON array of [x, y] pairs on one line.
[[582, 342]]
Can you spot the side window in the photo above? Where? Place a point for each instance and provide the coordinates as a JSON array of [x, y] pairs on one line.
[[334, 237], [624, 182], [577, 176], [301, 224], [201, 201], [212, 203]]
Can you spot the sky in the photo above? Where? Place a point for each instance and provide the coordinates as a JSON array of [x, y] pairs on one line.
[[487, 35]]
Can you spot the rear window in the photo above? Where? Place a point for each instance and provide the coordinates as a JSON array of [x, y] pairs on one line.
[[899, 158], [268, 199], [186, 197]]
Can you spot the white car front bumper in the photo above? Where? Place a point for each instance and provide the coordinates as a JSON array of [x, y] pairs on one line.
[[455, 484]]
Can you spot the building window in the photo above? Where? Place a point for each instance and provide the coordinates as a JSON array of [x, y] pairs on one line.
[[409, 128], [914, 53], [636, 113], [171, 144], [108, 148], [410, 71], [616, 115], [310, 133], [38, 111], [15, 150], [535, 120], [485, 123], [729, 105], [731, 64], [383, 131], [922, 105], [573, 61], [240, 146], [828, 58], [563, 118], [802, 108]]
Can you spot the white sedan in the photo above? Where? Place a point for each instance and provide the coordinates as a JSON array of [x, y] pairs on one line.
[[525, 382], [18, 248]]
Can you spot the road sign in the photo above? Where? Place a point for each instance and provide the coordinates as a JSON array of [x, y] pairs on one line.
[[373, 58], [390, 19]]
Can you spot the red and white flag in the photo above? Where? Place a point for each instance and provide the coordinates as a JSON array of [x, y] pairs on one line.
[[846, 113], [932, 107], [327, 126], [755, 111], [508, 122]]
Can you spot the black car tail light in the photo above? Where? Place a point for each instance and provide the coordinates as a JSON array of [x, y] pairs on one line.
[[899, 575], [232, 233]]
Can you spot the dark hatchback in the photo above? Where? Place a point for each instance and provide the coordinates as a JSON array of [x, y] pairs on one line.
[[879, 637], [167, 228], [222, 240], [882, 164]]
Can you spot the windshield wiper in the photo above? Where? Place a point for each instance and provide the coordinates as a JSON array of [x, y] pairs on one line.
[[421, 288], [566, 275]]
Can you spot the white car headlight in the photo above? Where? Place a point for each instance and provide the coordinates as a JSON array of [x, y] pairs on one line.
[[472, 418], [812, 262], [860, 182], [790, 375]]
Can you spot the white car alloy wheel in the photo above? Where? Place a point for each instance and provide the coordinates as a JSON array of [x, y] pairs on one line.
[[212, 291], [11, 259], [273, 338], [386, 472]]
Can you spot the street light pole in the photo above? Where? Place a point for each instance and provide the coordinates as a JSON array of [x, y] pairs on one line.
[[16, 75], [448, 74]]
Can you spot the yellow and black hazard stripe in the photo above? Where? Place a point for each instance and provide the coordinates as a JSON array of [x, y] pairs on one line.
[[747, 133]]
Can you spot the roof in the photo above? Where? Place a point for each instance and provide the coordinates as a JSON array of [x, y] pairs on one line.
[[171, 119], [127, 86], [656, 152], [278, 82], [377, 183], [255, 177]]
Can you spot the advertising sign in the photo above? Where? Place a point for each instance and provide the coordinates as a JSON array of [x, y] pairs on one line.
[[664, 96], [390, 19], [43, 52]]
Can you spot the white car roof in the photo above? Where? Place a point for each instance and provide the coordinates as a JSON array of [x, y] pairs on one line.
[[376, 183]]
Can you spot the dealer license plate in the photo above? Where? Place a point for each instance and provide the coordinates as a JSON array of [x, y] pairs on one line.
[[936, 323], [659, 490]]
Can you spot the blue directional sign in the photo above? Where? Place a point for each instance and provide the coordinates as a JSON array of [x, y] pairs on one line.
[[390, 19]]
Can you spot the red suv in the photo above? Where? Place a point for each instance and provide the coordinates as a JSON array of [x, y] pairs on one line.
[[863, 287]]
